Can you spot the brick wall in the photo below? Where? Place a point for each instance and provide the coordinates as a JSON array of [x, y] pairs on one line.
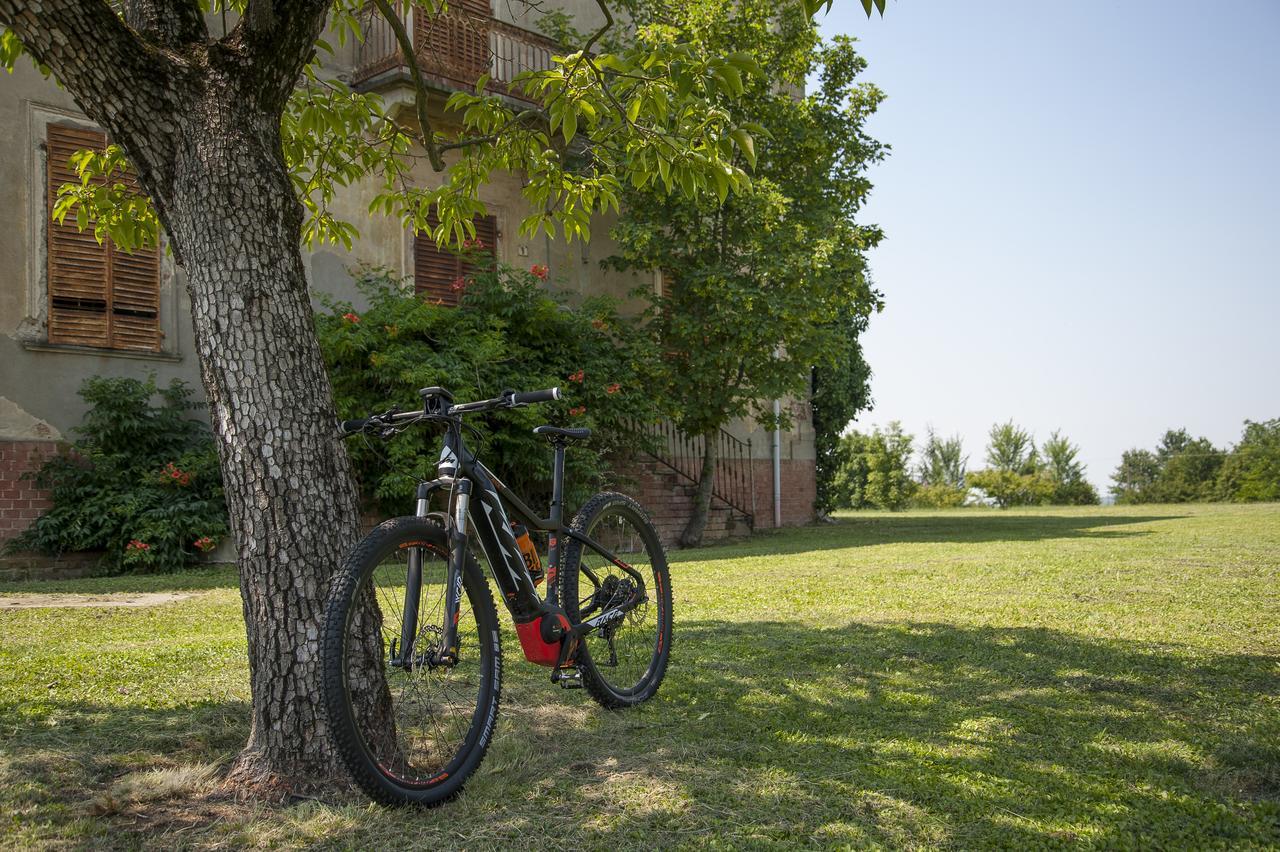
[[21, 501], [668, 498], [799, 491]]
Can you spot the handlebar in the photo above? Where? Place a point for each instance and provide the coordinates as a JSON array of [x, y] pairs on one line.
[[352, 427], [386, 423], [527, 397]]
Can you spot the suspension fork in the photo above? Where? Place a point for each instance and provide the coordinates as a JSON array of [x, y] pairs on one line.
[[448, 653], [413, 587]]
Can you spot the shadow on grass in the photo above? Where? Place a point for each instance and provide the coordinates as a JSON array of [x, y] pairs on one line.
[[57, 757], [970, 527], [891, 734], [904, 734], [894, 734]]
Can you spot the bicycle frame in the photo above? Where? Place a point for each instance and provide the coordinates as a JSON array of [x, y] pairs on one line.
[[468, 482]]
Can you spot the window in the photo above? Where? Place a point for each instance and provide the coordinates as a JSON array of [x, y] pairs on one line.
[[436, 270], [99, 295]]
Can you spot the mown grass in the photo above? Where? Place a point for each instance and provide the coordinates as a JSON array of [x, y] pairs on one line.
[[1096, 676]]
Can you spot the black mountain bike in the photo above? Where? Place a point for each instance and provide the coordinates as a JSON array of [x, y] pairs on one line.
[[411, 653]]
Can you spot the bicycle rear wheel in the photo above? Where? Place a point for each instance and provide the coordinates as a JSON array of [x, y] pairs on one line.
[[623, 662], [409, 728]]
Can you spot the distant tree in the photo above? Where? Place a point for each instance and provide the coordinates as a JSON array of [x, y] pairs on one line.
[[1188, 468], [942, 461], [1062, 467], [849, 484], [1251, 472], [1135, 479], [1182, 469], [1013, 476], [941, 473], [1011, 448], [877, 471]]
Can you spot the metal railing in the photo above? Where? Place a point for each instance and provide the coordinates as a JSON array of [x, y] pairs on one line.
[[455, 48], [734, 477]]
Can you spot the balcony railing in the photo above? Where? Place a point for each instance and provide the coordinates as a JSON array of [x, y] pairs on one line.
[[453, 49]]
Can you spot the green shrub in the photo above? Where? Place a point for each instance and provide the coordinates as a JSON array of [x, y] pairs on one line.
[[507, 333], [939, 495], [1010, 488], [141, 481], [875, 471]]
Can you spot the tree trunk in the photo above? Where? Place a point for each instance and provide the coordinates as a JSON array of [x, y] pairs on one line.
[[288, 482], [692, 535], [200, 122]]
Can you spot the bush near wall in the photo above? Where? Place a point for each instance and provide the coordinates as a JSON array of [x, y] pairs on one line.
[[140, 483], [506, 333]]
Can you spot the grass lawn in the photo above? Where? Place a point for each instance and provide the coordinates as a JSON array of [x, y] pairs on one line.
[[975, 678]]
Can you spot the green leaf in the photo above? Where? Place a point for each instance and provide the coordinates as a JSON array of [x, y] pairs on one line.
[[722, 183], [664, 169], [745, 144], [734, 79]]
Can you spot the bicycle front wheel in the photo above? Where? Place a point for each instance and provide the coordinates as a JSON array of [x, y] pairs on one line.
[[409, 727], [623, 662]]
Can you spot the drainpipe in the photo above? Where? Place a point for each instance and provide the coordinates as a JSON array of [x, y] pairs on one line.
[[777, 464]]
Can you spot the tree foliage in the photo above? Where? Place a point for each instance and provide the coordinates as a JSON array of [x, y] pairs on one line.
[[1251, 473], [1020, 474], [1134, 480], [763, 285], [1063, 468], [876, 473], [652, 110], [1183, 469], [1011, 448], [840, 391], [941, 473]]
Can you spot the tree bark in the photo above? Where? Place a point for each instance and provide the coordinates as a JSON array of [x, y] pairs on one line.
[[288, 482], [692, 535], [200, 122]]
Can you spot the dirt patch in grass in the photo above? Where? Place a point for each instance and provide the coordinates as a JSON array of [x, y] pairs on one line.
[[43, 601]]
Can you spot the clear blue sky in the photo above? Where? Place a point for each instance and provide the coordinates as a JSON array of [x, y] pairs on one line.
[[1083, 216]]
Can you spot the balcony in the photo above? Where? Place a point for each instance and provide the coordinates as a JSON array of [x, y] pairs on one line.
[[453, 49]]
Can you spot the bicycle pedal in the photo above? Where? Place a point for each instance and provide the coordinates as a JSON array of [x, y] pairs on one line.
[[567, 678]]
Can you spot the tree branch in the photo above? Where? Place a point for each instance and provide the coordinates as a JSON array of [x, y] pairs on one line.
[[88, 49], [599, 34], [420, 94], [166, 23], [121, 82], [277, 38]]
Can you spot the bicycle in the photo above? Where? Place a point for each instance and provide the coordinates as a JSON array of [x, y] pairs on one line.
[[411, 651]]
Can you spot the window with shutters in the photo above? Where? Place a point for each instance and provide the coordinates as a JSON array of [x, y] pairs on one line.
[[99, 295], [437, 272]]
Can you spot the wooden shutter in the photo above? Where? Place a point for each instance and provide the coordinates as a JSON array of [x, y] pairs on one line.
[[79, 274], [98, 295], [435, 270], [454, 44]]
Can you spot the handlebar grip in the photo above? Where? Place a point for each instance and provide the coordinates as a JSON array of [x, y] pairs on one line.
[[526, 397], [353, 427]]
